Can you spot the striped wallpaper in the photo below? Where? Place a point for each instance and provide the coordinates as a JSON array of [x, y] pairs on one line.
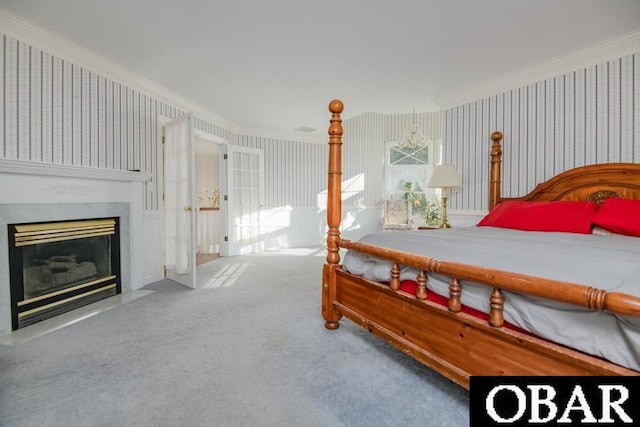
[[54, 111], [295, 172], [363, 150], [590, 115]]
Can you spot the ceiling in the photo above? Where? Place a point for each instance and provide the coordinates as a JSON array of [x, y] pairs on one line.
[[275, 65]]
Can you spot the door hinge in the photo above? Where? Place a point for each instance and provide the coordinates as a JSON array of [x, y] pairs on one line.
[[226, 238], [163, 139], [226, 197], [224, 157]]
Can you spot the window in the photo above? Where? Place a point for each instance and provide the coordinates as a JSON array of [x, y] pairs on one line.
[[407, 170]]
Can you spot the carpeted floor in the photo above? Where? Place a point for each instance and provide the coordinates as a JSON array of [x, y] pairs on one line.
[[248, 348]]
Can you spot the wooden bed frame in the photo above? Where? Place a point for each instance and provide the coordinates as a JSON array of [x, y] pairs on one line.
[[442, 337]]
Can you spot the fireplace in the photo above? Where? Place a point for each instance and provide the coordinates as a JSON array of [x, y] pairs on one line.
[[33, 192], [55, 267]]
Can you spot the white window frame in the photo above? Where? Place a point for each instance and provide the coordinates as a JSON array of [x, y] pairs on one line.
[[418, 174]]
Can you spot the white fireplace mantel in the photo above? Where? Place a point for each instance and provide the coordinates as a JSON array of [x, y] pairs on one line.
[[50, 169], [39, 192]]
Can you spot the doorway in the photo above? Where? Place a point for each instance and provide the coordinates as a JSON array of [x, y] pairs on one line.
[[212, 195], [181, 201], [208, 216]]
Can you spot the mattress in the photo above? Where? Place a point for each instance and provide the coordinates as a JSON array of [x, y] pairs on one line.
[[611, 263]]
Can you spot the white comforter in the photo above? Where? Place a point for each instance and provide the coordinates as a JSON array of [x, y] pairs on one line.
[[611, 263]]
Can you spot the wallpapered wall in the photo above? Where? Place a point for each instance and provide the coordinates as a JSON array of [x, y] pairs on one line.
[[363, 151], [295, 172], [590, 115], [55, 111]]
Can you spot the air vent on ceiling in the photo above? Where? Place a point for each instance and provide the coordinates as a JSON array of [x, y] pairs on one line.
[[305, 129]]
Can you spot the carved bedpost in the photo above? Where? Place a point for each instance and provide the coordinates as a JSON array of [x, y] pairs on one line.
[[495, 180], [334, 198], [334, 216]]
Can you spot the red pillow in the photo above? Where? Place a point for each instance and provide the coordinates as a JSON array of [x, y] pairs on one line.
[[566, 216], [620, 216]]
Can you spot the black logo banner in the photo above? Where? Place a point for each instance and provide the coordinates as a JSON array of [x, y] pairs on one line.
[[556, 401]]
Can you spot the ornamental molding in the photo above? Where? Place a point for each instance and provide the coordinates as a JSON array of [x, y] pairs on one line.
[[600, 53], [39, 37], [70, 189]]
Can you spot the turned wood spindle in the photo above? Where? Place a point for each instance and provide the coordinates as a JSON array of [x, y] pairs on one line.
[[395, 276], [496, 315], [455, 290], [421, 290]]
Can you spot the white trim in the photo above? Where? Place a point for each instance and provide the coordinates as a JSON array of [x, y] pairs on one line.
[[314, 138], [626, 44], [152, 272], [51, 169], [208, 136]]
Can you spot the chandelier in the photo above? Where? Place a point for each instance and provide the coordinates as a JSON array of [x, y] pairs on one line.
[[413, 138]]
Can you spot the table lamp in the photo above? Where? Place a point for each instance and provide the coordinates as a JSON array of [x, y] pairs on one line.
[[444, 177]]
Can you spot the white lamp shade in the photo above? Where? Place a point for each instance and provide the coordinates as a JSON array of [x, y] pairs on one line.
[[444, 176]]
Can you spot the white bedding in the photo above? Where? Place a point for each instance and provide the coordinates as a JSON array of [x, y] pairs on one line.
[[611, 263]]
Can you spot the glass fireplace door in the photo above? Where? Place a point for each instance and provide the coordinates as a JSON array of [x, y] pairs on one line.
[[59, 266]]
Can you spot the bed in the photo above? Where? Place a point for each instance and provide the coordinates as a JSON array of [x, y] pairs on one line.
[[462, 315]]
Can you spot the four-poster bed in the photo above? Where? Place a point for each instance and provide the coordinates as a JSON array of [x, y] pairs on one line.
[[460, 341]]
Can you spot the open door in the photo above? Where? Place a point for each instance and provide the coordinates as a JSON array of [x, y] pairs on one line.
[[244, 183], [180, 201]]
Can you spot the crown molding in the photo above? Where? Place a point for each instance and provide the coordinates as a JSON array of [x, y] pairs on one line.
[[56, 45], [624, 45], [314, 138]]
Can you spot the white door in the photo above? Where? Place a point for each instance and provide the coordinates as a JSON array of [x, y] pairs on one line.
[[180, 201], [243, 200]]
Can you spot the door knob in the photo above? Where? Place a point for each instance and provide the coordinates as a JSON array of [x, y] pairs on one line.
[[188, 208]]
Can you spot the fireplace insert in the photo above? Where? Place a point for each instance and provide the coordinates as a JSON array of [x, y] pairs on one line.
[[56, 267]]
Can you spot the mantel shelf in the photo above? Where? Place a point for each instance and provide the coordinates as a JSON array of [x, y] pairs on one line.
[[51, 169]]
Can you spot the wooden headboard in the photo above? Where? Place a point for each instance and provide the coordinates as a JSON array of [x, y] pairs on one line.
[[594, 183]]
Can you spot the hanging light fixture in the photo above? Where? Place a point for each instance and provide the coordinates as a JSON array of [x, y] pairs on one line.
[[413, 138]]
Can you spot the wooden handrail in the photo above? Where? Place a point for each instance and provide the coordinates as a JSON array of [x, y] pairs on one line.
[[572, 293]]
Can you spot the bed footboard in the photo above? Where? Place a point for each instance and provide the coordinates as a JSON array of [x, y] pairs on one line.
[[456, 345]]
